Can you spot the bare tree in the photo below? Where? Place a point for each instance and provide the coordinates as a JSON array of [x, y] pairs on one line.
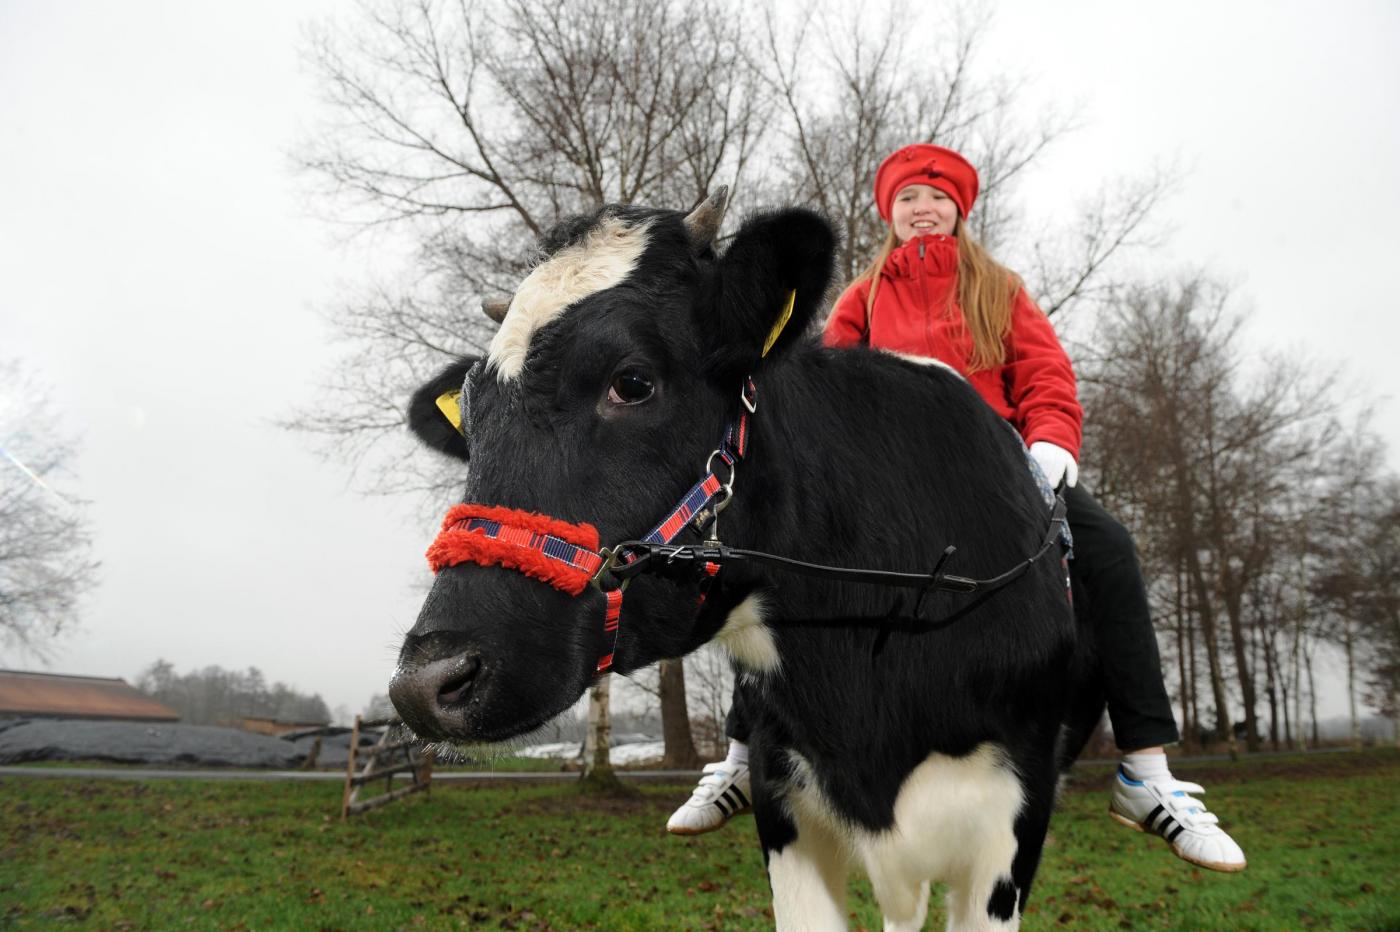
[[1263, 523], [45, 549], [477, 127], [1200, 451], [1381, 605], [1351, 578], [213, 695]]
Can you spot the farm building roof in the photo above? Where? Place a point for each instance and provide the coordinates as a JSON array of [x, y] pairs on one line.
[[57, 695]]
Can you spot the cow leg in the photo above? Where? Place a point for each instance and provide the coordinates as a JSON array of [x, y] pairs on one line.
[[1032, 824], [981, 903], [992, 896], [899, 888], [808, 877], [807, 869], [904, 906]]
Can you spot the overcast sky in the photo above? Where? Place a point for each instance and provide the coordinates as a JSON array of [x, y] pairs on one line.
[[160, 267]]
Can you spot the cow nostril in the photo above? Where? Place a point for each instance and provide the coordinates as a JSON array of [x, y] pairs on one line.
[[459, 682]]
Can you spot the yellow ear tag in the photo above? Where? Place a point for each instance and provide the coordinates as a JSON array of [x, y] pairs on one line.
[[783, 318], [450, 404]]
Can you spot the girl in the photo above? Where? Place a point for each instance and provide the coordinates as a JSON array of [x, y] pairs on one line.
[[932, 291]]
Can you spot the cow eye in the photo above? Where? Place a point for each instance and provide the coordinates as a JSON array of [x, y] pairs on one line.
[[630, 387]]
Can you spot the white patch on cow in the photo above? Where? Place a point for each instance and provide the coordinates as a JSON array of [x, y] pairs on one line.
[[748, 640], [954, 822], [602, 259], [809, 883], [922, 361]]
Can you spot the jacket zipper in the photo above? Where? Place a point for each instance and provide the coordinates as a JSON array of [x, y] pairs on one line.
[[923, 300]]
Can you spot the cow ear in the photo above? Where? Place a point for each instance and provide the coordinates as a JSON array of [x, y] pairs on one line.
[[773, 256], [434, 414]]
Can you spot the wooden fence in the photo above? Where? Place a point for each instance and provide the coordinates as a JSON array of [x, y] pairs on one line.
[[388, 757]]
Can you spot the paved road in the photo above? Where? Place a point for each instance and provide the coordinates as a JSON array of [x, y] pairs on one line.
[[457, 776], [439, 776]]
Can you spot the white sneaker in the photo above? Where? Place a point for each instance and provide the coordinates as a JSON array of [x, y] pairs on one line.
[[1166, 808], [722, 794]]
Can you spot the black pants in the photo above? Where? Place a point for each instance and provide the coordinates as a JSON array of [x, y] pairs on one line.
[[1110, 582], [1105, 566]]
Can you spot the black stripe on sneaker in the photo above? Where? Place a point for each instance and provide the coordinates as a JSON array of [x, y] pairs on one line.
[[1151, 816], [731, 797], [1175, 832], [722, 807], [1163, 826], [743, 800]]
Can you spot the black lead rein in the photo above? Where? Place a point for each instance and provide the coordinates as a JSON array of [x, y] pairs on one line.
[[680, 558]]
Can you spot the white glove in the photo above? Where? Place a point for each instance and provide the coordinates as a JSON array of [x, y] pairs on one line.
[[1056, 463]]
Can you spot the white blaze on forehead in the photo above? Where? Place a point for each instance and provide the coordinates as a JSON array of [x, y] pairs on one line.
[[603, 258]]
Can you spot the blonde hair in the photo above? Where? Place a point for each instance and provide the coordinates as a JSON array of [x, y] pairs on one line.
[[986, 290]]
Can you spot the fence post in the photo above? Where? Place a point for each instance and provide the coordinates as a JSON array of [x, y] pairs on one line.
[[350, 768]]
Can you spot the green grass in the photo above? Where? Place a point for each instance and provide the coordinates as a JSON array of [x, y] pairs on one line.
[[1322, 835]]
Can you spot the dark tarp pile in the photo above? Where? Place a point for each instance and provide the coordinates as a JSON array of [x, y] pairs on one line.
[[143, 743], [335, 745]]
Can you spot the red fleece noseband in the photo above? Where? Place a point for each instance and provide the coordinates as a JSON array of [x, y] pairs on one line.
[[552, 551]]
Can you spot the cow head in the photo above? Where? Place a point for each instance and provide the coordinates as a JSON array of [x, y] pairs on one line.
[[617, 365]]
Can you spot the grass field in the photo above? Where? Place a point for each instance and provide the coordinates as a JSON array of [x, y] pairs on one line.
[[1322, 834]]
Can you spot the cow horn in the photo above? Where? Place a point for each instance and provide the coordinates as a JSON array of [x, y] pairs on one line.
[[703, 222], [495, 308]]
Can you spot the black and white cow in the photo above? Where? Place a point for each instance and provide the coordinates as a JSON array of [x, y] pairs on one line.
[[917, 748]]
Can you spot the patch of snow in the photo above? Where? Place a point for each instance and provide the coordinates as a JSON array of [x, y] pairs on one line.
[[648, 750]]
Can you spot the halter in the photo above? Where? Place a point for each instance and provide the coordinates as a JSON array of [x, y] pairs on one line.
[[567, 556]]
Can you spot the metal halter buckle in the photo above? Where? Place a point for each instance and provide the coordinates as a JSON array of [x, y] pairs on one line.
[[746, 390], [728, 486], [610, 559]]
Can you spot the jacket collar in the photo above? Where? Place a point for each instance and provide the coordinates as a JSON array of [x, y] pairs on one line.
[[939, 257]]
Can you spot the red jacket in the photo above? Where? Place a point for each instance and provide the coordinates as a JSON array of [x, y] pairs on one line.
[[916, 312]]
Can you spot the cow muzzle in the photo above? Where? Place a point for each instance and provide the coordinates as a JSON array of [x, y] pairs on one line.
[[433, 695]]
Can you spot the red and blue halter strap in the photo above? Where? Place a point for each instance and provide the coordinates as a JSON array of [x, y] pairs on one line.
[[565, 555], [732, 448], [556, 552], [552, 551]]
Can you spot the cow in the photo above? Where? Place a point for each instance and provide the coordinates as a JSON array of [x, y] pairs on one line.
[[918, 735]]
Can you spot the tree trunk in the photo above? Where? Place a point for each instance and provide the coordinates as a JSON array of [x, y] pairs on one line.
[[1271, 686], [1195, 681], [1312, 698], [1296, 660], [1224, 729], [675, 718], [1188, 726], [1233, 614], [1349, 643], [598, 774]]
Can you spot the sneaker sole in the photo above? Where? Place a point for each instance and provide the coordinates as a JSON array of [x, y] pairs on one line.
[[687, 830], [1220, 866]]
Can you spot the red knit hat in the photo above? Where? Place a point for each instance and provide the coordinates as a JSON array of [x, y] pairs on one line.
[[925, 163]]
